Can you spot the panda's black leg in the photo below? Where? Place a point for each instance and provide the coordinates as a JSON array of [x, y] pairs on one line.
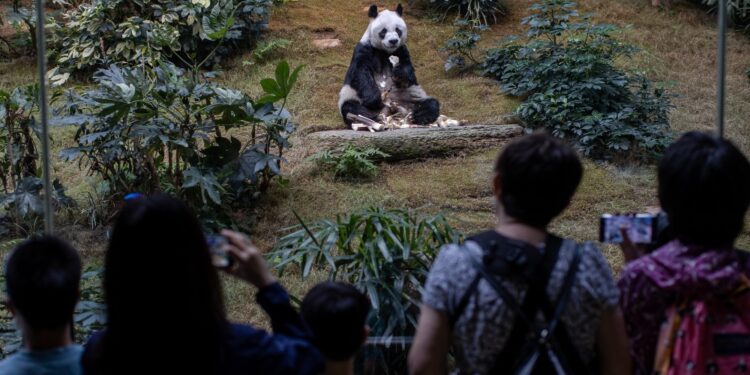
[[353, 106], [426, 111]]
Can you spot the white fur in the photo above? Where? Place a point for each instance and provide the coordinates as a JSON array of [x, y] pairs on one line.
[[347, 93], [388, 20]]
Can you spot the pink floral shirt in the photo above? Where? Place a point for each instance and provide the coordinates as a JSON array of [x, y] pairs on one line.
[[650, 284]]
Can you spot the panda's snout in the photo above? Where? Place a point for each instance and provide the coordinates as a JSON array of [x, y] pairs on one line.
[[393, 42]]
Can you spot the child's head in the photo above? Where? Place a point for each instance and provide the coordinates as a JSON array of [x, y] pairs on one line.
[[704, 187], [42, 280], [337, 313]]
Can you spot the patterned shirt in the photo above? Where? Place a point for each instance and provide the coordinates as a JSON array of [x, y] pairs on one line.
[[485, 324]]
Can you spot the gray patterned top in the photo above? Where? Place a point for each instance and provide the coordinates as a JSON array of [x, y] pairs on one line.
[[486, 322]]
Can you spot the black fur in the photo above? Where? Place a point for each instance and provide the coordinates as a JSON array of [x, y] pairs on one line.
[[368, 61], [400, 10], [426, 111], [373, 12]]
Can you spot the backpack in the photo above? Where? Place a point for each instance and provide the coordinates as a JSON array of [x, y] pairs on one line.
[[548, 350], [707, 336]]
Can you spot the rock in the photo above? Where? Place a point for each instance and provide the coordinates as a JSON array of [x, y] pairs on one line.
[[326, 43], [415, 143]]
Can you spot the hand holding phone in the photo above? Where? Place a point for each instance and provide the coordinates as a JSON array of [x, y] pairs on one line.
[[637, 228], [249, 264]]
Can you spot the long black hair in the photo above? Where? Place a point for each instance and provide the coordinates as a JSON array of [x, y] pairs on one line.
[[165, 308]]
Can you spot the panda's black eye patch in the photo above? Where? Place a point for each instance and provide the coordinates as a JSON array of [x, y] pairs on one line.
[[382, 33], [398, 31]]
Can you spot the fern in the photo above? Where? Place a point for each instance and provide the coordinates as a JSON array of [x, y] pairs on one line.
[[265, 49], [350, 161]]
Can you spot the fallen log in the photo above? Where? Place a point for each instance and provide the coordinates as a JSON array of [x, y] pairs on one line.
[[416, 143]]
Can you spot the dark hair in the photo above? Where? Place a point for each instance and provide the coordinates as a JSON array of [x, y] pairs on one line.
[[336, 313], [704, 187], [42, 277], [538, 177], [163, 295]]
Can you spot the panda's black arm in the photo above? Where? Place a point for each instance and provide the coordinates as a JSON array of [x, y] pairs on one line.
[[403, 74], [362, 79]]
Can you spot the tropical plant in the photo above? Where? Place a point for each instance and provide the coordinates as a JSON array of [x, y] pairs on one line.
[[462, 45], [265, 49], [23, 20], [565, 72], [134, 32], [481, 11], [350, 161], [169, 130], [385, 253], [21, 198], [738, 12]]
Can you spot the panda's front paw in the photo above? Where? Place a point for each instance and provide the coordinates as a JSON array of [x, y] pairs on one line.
[[394, 60]]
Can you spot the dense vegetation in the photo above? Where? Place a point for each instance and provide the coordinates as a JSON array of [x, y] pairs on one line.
[[386, 253], [565, 71], [21, 195], [144, 33], [170, 130]]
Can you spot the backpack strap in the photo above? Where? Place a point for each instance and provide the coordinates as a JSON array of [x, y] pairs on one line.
[[517, 351], [488, 242]]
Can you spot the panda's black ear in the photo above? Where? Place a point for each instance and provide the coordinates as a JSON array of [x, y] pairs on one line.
[[400, 10], [373, 12]]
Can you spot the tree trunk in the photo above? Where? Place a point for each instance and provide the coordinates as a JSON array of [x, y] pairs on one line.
[[416, 143]]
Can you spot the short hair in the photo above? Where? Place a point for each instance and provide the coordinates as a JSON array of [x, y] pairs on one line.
[[704, 187], [336, 313], [43, 276], [538, 176]]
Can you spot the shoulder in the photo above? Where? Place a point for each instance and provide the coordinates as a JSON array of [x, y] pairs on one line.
[[363, 49], [594, 274]]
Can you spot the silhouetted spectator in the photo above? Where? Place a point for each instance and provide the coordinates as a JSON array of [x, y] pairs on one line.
[[42, 279], [468, 297], [165, 308], [337, 314], [704, 188]]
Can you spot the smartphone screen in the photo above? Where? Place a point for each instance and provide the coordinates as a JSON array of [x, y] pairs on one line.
[[639, 227]]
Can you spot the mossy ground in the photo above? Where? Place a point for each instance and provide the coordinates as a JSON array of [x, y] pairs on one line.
[[678, 50]]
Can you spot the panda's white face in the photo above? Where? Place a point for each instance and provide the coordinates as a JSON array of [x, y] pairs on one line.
[[386, 32]]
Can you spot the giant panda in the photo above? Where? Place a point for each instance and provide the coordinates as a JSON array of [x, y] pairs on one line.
[[381, 63]]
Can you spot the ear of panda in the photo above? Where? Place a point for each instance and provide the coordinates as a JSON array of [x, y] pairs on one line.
[[373, 12], [400, 10]]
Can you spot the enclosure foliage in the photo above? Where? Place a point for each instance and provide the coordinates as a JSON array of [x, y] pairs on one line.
[[385, 253], [461, 46], [350, 161], [564, 69], [21, 193], [134, 32], [171, 130], [481, 11]]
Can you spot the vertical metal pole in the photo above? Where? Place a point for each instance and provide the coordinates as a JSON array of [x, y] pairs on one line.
[[41, 64], [721, 57]]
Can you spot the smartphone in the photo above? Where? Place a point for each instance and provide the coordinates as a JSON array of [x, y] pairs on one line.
[[219, 257], [639, 227]]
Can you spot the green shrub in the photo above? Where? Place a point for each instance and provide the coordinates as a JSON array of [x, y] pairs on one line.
[[168, 130], [266, 49], [566, 74], [462, 45], [134, 32], [481, 11], [737, 10], [21, 193], [385, 253], [350, 161]]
